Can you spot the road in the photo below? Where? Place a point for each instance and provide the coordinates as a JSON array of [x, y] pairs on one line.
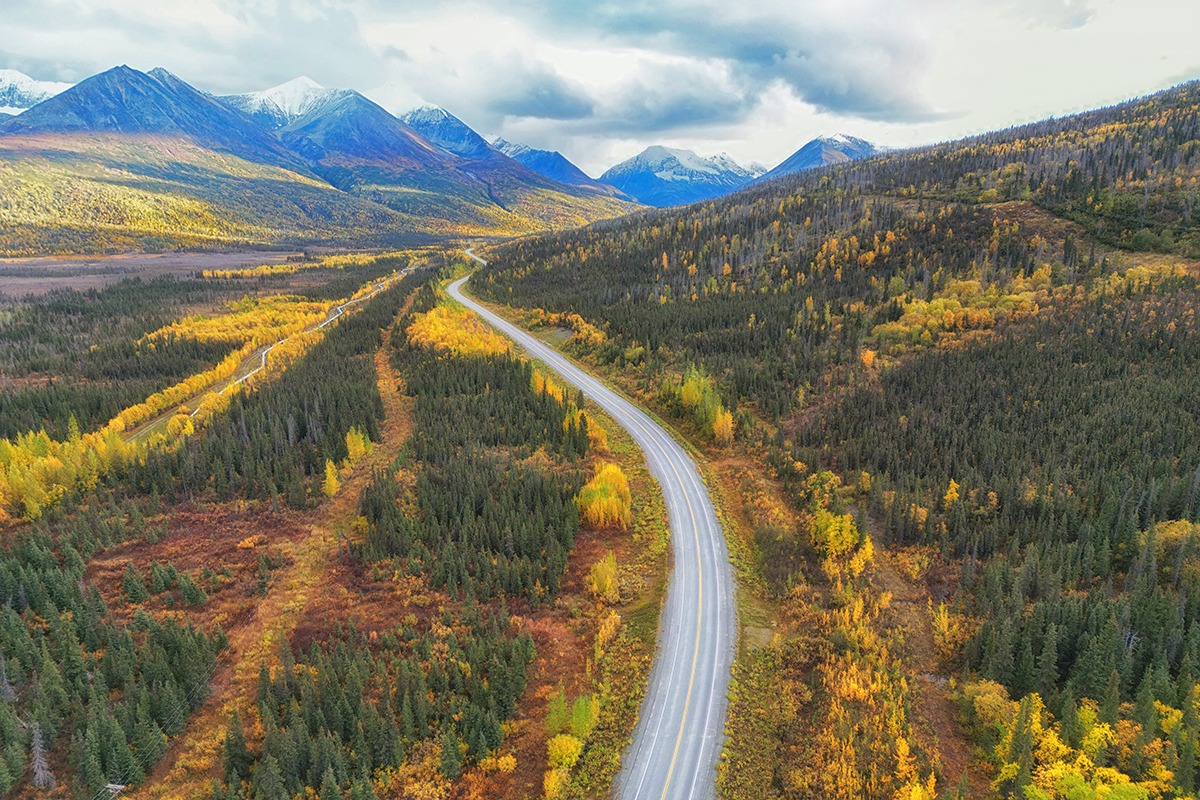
[[257, 361], [680, 729]]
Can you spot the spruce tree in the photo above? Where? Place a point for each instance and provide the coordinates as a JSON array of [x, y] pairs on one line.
[[329, 787], [451, 755], [267, 782], [135, 588], [235, 755]]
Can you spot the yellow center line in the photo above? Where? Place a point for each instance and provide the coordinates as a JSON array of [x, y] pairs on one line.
[[700, 588], [687, 702]]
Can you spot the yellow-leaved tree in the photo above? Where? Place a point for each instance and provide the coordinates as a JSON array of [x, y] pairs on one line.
[[602, 579], [357, 445], [331, 484], [605, 500]]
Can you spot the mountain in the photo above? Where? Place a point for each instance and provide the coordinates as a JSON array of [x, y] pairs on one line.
[[344, 124], [361, 148], [80, 192], [551, 163], [823, 151], [283, 104], [663, 176], [509, 182], [18, 91], [127, 158], [126, 101], [448, 132]]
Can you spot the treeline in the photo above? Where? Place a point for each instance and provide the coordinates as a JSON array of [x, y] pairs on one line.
[[78, 687], [343, 717], [494, 518], [1127, 172], [77, 353], [63, 406], [273, 443]]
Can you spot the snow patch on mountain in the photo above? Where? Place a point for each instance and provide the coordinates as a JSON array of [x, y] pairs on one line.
[[663, 176], [448, 132], [18, 91], [283, 104]]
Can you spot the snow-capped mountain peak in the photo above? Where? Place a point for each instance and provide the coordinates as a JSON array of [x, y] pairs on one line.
[[295, 96], [18, 91], [668, 176], [283, 104], [670, 163], [510, 149], [824, 151], [428, 113], [447, 132]]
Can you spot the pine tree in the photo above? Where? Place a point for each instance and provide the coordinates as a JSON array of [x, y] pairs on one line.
[[192, 594], [148, 739], [268, 782], [234, 753], [135, 588], [1110, 708], [1047, 664], [451, 755], [329, 787]]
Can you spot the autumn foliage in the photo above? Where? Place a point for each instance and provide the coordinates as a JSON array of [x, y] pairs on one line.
[[604, 501], [698, 395], [35, 471], [455, 330]]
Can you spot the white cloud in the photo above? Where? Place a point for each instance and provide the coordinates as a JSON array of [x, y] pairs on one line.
[[600, 81]]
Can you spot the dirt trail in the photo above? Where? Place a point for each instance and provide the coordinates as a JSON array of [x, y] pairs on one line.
[[936, 718], [187, 770]]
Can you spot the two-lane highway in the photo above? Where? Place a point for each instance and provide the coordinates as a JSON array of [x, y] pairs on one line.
[[680, 730]]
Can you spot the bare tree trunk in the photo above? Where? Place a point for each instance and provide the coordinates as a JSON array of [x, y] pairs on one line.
[[43, 778], [6, 688]]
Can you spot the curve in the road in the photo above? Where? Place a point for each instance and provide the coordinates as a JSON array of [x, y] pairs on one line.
[[680, 731]]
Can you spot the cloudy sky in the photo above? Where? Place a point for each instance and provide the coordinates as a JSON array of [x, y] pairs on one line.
[[601, 80]]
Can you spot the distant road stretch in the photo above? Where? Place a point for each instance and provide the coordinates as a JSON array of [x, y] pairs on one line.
[[680, 730], [257, 361]]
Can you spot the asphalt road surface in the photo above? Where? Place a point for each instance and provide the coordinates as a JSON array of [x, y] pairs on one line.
[[680, 729]]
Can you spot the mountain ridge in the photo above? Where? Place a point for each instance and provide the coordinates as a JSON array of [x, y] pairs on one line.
[[19, 92], [551, 164], [145, 152], [123, 100], [664, 176], [823, 151]]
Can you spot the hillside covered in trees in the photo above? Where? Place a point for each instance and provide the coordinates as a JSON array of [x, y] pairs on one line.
[[986, 350]]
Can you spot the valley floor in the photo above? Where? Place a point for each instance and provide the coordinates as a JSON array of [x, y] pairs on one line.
[[38, 275]]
